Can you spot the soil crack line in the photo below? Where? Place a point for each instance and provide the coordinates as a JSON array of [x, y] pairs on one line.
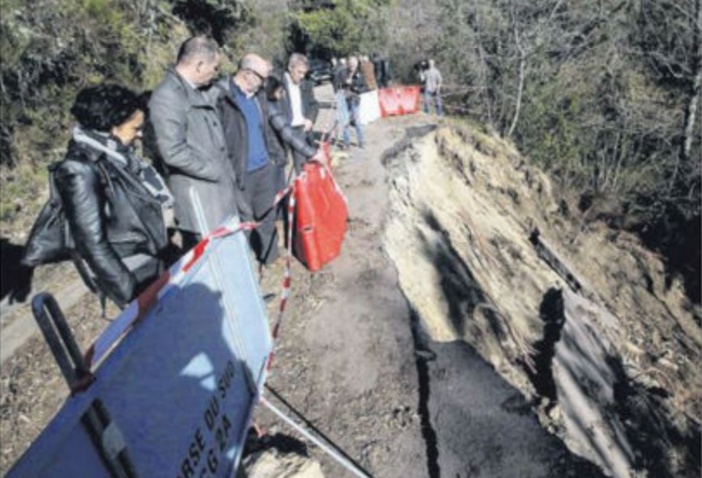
[[424, 355]]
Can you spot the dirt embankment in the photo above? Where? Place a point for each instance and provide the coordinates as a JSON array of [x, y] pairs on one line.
[[356, 361], [577, 318]]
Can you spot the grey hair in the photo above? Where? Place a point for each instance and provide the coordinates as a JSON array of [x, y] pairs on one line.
[[247, 63], [197, 47], [297, 59]]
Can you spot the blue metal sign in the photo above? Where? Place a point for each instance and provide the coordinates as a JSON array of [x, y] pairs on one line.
[[180, 382]]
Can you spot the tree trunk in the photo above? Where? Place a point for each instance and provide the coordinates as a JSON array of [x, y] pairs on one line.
[[693, 104], [522, 68]]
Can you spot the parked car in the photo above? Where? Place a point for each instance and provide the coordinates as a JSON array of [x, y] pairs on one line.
[[320, 71]]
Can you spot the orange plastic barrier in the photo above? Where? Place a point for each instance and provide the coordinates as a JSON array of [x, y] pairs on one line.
[[409, 99], [389, 102], [401, 100], [320, 219]]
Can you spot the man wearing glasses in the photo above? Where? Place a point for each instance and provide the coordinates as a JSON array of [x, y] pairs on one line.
[[244, 114], [302, 107]]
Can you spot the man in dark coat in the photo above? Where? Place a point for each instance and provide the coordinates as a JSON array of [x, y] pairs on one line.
[[244, 115], [254, 130], [301, 105], [190, 142]]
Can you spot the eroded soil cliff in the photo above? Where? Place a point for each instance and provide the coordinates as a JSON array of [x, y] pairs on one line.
[[579, 319]]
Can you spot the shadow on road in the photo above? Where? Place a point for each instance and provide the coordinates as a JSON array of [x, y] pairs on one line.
[[15, 278]]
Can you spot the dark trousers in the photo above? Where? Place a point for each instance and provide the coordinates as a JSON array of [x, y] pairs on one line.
[[259, 193], [281, 183], [189, 239], [299, 159]]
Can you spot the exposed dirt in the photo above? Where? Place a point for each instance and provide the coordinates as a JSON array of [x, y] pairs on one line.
[[579, 319], [443, 343]]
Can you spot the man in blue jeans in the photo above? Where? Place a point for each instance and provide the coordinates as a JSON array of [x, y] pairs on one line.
[[432, 88], [353, 85]]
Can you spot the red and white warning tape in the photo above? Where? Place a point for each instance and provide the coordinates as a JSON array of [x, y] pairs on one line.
[[139, 308]]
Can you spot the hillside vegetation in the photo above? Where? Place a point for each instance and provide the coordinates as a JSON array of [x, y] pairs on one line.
[[605, 95]]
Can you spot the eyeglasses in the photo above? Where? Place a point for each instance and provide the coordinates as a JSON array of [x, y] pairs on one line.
[[260, 77]]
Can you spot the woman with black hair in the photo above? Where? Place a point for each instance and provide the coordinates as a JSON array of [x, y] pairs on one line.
[[113, 200]]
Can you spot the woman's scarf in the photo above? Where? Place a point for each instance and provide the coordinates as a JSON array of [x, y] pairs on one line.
[[126, 156]]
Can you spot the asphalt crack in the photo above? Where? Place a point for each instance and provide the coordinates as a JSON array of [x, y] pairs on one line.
[[423, 356]]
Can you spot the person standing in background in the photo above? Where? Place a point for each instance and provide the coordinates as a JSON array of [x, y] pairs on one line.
[[340, 73], [368, 73], [383, 73], [353, 85], [432, 88]]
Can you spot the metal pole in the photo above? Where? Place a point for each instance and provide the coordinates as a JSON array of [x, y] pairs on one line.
[[58, 335], [329, 450]]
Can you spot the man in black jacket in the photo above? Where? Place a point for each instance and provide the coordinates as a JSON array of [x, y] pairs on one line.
[[252, 131], [302, 106], [243, 115]]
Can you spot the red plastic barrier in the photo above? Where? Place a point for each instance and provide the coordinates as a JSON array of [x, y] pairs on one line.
[[389, 102], [320, 219], [401, 100], [409, 99]]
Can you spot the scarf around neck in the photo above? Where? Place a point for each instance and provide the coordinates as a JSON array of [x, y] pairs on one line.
[[126, 157]]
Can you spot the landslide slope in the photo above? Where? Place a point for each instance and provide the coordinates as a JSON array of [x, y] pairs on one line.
[[578, 318]]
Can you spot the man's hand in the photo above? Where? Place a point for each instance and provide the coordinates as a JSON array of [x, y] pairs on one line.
[[308, 126], [320, 157]]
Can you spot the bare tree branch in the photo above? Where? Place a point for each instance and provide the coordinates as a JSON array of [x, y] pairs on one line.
[[693, 103]]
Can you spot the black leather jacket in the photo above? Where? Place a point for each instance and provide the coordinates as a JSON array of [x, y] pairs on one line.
[[287, 137], [111, 216]]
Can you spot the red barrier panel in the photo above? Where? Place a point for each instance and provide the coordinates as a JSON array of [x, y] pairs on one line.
[[409, 99], [401, 100], [389, 102], [320, 219]]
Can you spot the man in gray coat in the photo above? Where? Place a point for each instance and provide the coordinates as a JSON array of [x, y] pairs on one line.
[[190, 143]]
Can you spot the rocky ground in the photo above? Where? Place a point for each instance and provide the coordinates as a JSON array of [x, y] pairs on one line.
[[449, 339]]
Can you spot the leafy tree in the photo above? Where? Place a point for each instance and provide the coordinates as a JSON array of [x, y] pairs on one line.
[[217, 18], [603, 94], [337, 27]]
